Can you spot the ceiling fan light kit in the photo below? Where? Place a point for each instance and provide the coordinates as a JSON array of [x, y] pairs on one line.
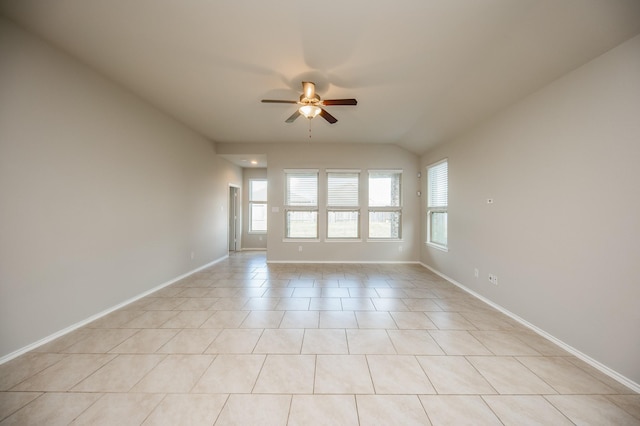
[[311, 105], [310, 111]]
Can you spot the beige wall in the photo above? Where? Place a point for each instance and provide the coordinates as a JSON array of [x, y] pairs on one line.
[[251, 241], [563, 234], [102, 197], [337, 156]]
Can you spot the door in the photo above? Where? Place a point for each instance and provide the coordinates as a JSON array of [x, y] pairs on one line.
[[233, 218]]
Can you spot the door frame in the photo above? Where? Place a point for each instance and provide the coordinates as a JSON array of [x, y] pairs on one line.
[[234, 227]]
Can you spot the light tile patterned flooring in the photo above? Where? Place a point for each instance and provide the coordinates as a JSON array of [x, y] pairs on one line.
[[246, 343]]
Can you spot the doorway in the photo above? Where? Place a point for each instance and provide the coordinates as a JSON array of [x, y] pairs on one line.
[[234, 227]]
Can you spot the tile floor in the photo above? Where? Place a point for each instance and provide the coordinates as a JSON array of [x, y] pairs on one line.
[[246, 343]]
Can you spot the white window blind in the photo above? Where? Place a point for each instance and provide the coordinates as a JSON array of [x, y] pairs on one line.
[[343, 212], [301, 199], [342, 189], [437, 204], [438, 181], [258, 205], [302, 188]]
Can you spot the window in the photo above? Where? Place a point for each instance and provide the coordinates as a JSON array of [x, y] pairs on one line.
[[258, 205], [437, 203], [301, 204], [343, 212], [385, 207]]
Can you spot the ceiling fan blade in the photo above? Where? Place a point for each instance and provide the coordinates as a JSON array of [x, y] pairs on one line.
[[293, 117], [340, 102], [277, 101], [308, 89], [330, 118]]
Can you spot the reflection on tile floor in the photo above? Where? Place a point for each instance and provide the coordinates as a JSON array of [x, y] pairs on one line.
[[245, 343]]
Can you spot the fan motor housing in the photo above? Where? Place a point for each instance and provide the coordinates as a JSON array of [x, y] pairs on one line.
[[306, 101]]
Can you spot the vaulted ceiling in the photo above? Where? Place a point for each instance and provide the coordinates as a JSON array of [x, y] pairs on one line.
[[423, 71]]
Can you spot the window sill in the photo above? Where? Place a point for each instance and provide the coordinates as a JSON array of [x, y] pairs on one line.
[[300, 240], [343, 240], [385, 240], [258, 232], [437, 247]]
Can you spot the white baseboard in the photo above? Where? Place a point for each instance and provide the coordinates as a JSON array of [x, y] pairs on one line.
[[253, 249], [92, 318], [399, 262], [596, 364]]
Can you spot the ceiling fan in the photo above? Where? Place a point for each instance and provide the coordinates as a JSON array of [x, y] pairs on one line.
[[311, 104]]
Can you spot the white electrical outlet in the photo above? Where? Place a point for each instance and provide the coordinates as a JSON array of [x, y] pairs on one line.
[[299, 248], [193, 255], [476, 273]]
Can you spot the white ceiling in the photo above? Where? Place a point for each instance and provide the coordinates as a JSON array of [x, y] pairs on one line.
[[423, 71]]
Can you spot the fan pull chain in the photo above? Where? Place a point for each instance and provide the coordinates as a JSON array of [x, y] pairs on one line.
[[309, 128]]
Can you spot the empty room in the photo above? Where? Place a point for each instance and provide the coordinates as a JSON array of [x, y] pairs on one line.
[[417, 212]]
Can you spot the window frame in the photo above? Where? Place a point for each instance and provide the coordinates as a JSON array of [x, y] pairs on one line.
[[437, 208], [385, 208], [253, 202], [293, 208], [343, 208]]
